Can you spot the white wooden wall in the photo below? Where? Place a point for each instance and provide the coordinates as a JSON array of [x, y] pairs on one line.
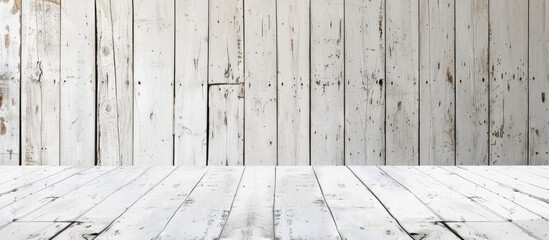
[[266, 82]]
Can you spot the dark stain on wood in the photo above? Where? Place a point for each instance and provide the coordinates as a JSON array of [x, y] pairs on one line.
[[499, 133], [1, 98], [3, 128], [542, 98], [449, 75]]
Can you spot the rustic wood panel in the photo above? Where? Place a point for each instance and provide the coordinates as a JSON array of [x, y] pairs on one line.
[[154, 82], [327, 82], [538, 82], [114, 82], [402, 91], [472, 82], [226, 125], [191, 82], [40, 82], [364, 82], [10, 81], [260, 127], [437, 85], [293, 40], [509, 82]]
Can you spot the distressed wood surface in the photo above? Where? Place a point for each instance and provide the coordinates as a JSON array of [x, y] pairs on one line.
[[153, 106], [437, 82], [10, 81], [538, 73], [226, 125], [293, 93], [364, 82], [78, 84], [260, 125], [509, 82], [327, 82], [114, 82], [471, 82], [402, 90], [191, 83], [40, 81]]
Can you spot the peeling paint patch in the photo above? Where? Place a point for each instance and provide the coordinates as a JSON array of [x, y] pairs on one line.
[[3, 128]]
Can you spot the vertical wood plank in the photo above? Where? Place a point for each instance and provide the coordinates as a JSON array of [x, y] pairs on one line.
[[10, 79], [40, 82], [327, 91], [539, 82], [260, 67], [226, 124], [364, 82], [154, 78], [472, 82], [114, 82], [226, 44], [191, 82], [77, 108], [437, 85], [509, 84], [402, 63], [293, 82]]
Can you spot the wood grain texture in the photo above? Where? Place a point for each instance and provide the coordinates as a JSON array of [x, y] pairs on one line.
[[10, 81], [154, 82], [364, 82], [509, 82], [293, 42], [191, 83], [402, 91], [260, 127], [327, 82], [114, 82], [472, 96], [538, 82], [78, 83], [226, 125], [40, 82], [226, 44], [437, 82]]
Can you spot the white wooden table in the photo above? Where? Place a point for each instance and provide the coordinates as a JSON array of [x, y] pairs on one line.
[[268, 202]]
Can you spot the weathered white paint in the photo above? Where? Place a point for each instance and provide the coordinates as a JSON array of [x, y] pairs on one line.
[[191, 82], [402, 106], [32, 230], [153, 106], [489, 230], [293, 61]]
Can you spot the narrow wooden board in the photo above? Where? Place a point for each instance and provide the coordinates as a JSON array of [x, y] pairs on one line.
[[70, 206], [104, 213], [32, 230], [114, 56], [18, 173], [509, 82], [260, 125], [191, 83], [153, 82], [205, 211], [535, 170], [418, 220], [538, 73], [146, 218], [251, 215], [448, 204], [300, 209], [471, 82], [77, 95], [226, 125], [28, 179], [488, 230], [226, 44], [10, 81], [293, 40], [327, 82], [402, 90], [26, 205], [357, 213], [522, 176], [40, 82], [437, 82]]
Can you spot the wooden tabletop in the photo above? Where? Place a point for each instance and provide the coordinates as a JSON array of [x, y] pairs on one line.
[[274, 202]]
